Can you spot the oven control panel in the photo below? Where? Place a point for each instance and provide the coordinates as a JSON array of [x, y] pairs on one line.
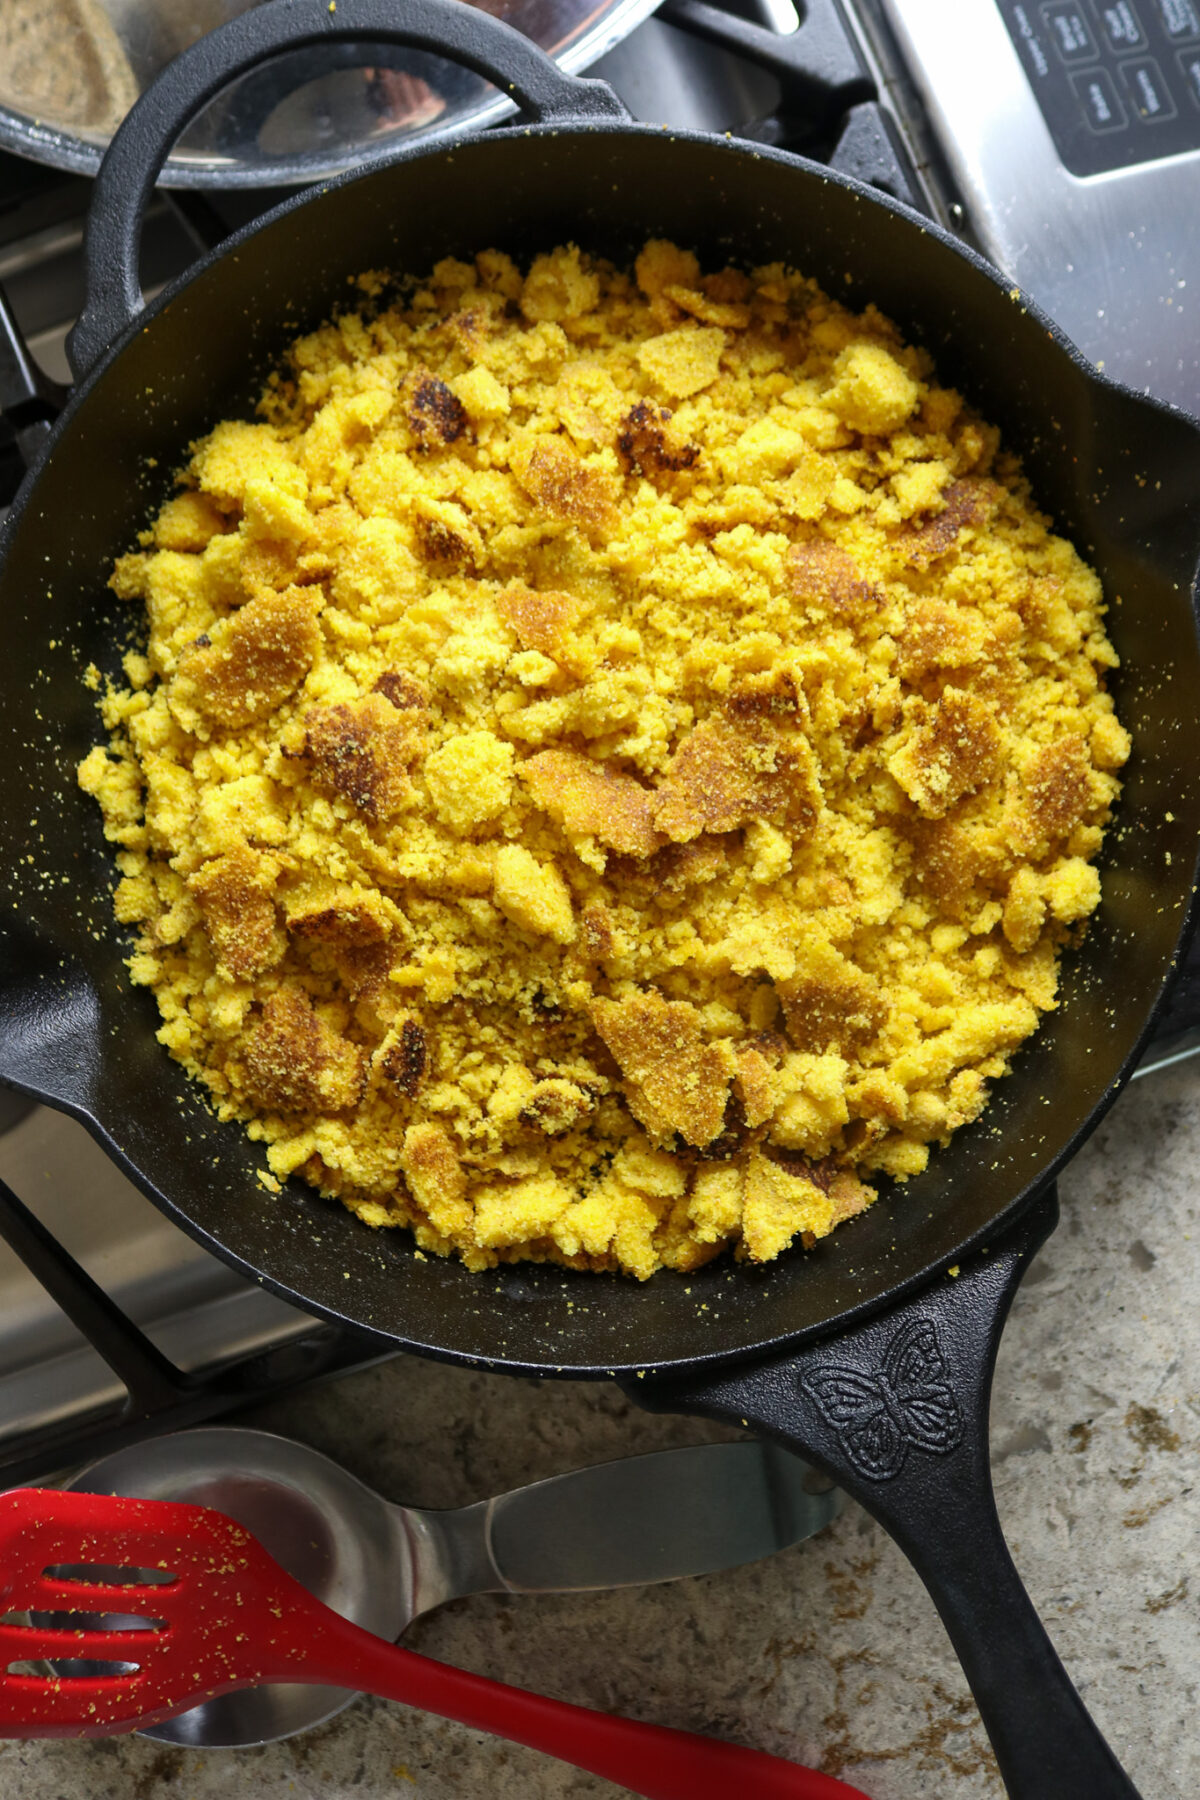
[[1098, 225], [1117, 81]]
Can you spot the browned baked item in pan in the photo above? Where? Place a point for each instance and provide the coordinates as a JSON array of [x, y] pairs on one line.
[[616, 760]]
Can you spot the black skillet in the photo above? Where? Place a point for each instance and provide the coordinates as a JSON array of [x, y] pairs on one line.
[[866, 1353]]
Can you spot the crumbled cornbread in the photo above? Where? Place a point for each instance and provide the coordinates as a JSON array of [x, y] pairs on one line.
[[618, 758]]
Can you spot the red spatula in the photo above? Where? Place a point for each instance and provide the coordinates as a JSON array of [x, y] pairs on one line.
[[195, 1607]]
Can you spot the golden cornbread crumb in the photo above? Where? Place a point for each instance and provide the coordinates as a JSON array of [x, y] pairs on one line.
[[532, 894], [871, 391], [470, 779], [614, 761]]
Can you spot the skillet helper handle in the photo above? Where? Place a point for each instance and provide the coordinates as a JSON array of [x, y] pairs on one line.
[[463, 34], [896, 1410]]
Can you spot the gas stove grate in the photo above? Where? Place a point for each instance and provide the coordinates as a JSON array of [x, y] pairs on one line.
[[157, 1394]]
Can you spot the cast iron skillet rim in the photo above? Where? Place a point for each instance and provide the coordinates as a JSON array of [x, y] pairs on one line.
[[928, 227], [739, 146], [599, 128], [835, 1324]]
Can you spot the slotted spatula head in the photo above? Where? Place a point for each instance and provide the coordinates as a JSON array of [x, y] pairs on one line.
[[156, 1586]]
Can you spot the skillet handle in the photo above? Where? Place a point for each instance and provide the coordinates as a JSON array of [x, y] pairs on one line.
[[462, 33], [896, 1410]]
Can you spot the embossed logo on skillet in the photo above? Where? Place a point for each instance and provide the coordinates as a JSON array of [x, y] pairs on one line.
[[907, 1400]]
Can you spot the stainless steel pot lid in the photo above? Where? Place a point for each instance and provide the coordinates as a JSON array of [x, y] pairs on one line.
[[71, 69]]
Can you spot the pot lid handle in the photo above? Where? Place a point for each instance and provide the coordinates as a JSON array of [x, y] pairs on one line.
[[461, 33]]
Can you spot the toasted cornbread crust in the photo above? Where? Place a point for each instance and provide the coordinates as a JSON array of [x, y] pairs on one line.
[[615, 761]]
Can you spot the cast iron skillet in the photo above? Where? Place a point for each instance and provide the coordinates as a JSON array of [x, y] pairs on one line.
[[865, 1353]]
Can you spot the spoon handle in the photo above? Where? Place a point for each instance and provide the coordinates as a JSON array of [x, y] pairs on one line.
[[652, 1760], [625, 1523]]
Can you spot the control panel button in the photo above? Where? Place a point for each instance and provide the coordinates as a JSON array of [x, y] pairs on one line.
[[1098, 98], [1148, 92], [1117, 81], [1120, 25], [1069, 32], [1180, 19]]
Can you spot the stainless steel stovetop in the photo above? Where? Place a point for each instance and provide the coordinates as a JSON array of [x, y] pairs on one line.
[[1068, 133], [1062, 139]]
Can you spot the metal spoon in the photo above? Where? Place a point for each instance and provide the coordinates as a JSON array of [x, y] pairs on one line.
[[641, 1519]]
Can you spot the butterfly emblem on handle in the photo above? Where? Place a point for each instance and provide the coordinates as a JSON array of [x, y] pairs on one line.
[[907, 1401]]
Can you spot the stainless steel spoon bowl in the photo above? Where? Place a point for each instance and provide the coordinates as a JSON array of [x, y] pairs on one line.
[[641, 1519]]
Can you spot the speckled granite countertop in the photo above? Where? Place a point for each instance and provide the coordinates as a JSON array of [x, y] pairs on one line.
[[829, 1653]]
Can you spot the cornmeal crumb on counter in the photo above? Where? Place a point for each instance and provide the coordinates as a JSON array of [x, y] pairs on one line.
[[613, 763]]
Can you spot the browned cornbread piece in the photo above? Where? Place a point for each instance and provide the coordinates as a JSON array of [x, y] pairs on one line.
[[435, 414], [562, 486], [833, 1006], [967, 503], [676, 1082], [548, 622], [615, 761], [936, 637], [648, 445], [1057, 792], [955, 748], [589, 800], [361, 751], [820, 575], [780, 1192], [402, 1060], [250, 662], [295, 1062], [728, 773], [237, 900]]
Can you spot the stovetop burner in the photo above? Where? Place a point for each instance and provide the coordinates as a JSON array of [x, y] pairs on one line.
[[112, 1321]]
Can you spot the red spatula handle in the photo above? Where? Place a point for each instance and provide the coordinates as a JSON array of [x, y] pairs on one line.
[[652, 1760]]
